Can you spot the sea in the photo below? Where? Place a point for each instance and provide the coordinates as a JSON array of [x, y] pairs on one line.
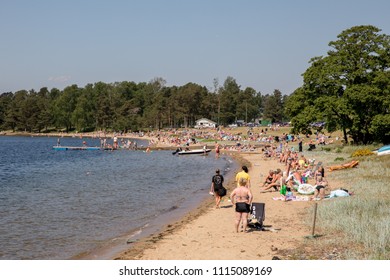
[[93, 204]]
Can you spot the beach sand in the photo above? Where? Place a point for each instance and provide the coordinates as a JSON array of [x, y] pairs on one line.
[[208, 233]]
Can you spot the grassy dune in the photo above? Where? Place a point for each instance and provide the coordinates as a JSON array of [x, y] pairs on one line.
[[360, 224]]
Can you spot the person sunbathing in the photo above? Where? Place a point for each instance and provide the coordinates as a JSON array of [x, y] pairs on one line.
[[276, 182], [269, 178], [294, 179], [321, 184]]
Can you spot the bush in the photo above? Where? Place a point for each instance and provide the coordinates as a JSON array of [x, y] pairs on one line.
[[362, 152], [339, 159]]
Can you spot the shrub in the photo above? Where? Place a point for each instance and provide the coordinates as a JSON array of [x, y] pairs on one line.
[[362, 152], [339, 159]]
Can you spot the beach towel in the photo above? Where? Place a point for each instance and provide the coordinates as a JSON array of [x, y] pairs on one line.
[[338, 193], [292, 198]]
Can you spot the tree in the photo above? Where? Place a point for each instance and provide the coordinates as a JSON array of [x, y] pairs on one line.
[[349, 88], [5, 101], [248, 105], [84, 113], [45, 104], [65, 105], [228, 100], [273, 107]]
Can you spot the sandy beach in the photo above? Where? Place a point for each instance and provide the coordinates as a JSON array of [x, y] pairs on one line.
[[208, 233]]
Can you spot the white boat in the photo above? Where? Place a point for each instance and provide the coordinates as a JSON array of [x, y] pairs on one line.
[[385, 150], [194, 152]]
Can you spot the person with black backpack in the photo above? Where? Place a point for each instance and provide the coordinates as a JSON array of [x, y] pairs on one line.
[[217, 188]]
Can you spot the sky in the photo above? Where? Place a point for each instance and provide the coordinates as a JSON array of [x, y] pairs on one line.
[[265, 45]]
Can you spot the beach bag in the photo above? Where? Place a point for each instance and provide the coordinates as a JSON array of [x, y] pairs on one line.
[[257, 216], [221, 191]]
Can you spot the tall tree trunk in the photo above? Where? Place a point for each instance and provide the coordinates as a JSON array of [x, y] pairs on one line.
[[345, 135]]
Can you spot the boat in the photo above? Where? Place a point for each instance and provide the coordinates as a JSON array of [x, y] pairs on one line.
[[194, 152], [385, 150], [66, 148]]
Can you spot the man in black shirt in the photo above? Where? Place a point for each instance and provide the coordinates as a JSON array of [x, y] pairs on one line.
[[217, 187]]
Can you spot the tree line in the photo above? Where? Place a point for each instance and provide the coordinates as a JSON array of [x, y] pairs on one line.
[[129, 106], [347, 90]]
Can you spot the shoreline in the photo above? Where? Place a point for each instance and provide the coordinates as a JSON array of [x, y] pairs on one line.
[[207, 233], [137, 247], [164, 223]]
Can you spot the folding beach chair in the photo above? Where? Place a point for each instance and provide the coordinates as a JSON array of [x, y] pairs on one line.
[[257, 215]]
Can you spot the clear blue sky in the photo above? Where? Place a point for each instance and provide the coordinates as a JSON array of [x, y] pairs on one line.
[[265, 45]]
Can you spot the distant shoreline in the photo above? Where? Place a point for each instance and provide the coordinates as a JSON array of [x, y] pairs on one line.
[[154, 143]]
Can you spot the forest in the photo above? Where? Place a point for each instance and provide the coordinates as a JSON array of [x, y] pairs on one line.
[[347, 90], [129, 106]]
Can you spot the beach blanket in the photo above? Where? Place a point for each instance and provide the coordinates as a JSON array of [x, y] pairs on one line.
[[292, 198]]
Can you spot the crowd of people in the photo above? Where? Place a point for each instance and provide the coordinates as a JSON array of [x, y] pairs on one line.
[[297, 170]]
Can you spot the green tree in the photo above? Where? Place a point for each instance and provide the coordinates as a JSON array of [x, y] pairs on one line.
[[84, 113], [248, 105], [273, 107], [65, 105], [5, 101], [45, 104], [191, 103], [105, 111], [349, 88], [228, 101]]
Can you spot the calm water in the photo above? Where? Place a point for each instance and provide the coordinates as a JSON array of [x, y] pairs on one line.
[[58, 204]]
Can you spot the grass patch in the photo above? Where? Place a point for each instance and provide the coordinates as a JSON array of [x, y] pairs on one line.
[[359, 224], [339, 159]]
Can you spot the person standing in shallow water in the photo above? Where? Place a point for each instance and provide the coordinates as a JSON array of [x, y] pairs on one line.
[[216, 187], [241, 197], [217, 150]]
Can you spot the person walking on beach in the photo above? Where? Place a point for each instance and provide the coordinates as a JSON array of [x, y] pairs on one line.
[[217, 187], [243, 174], [241, 197]]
